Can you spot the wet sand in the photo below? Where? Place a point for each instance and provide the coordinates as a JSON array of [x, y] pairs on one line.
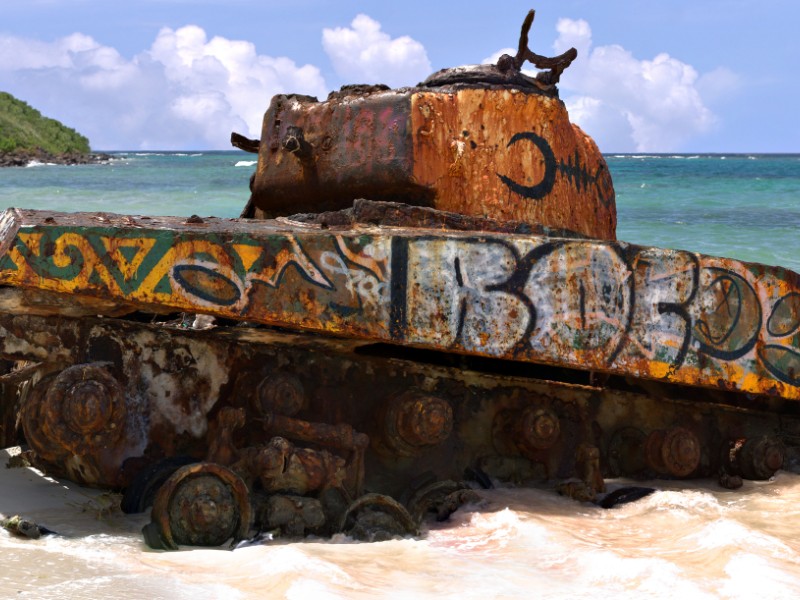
[[689, 539]]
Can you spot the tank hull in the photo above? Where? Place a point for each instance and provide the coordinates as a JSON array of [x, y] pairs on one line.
[[517, 425], [606, 307], [371, 355]]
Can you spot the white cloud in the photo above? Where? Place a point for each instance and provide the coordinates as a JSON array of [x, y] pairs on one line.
[[184, 92], [20, 53], [630, 104], [719, 83], [188, 91], [224, 85], [363, 53]]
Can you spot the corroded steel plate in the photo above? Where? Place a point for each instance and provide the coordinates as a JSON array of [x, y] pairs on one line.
[[602, 306], [497, 152]]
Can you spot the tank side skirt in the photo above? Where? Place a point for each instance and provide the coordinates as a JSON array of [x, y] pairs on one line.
[[594, 305]]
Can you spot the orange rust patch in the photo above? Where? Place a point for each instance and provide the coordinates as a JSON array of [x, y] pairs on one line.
[[510, 155]]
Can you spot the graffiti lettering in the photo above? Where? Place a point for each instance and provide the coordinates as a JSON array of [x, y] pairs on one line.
[[785, 317], [472, 308], [582, 298], [206, 283], [729, 314], [590, 304], [665, 282], [583, 303], [363, 272], [782, 362]]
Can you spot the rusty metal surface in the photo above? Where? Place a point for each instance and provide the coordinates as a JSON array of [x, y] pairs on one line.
[[501, 153], [191, 393], [202, 505], [508, 70], [511, 156], [599, 306], [354, 146], [496, 328], [396, 214]]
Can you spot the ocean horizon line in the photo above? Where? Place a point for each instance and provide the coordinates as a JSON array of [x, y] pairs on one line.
[[604, 153]]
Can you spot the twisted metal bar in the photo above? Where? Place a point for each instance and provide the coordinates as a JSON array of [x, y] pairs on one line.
[[555, 65]]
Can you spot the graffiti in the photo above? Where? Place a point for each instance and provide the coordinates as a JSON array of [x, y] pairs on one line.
[[587, 304], [286, 252], [204, 282], [663, 323], [581, 295], [730, 327], [574, 171], [364, 272], [593, 305], [782, 360], [160, 265], [785, 317], [472, 308]]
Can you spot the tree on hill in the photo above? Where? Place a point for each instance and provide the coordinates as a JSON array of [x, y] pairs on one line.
[[23, 128]]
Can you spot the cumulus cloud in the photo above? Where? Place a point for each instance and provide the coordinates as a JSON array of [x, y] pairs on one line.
[[362, 53], [186, 91], [719, 83], [630, 104], [224, 85], [22, 53], [190, 91]]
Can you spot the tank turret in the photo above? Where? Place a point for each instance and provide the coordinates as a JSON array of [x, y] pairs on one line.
[[481, 140]]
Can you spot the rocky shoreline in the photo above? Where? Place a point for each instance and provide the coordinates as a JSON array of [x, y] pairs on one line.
[[22, 158]]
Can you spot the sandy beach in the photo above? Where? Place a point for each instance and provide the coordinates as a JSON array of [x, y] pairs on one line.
[[691, 539]]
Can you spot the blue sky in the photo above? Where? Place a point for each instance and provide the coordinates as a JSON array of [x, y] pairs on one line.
[[651, 76]]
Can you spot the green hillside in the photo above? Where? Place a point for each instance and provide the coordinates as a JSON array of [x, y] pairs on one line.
[[24, 128]]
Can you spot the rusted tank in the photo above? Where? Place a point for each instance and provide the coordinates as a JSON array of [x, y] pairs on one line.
[[426, 293]]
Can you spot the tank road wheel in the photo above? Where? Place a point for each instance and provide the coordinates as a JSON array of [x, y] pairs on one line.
[[85, 408], [32, 421], [377, 518], [141, 493], [440, 497], [674, 453], [681, 452], [80, 411], [760, 458], [199, 505]]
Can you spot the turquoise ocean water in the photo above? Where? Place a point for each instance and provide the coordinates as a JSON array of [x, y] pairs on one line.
[[742, 206]]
